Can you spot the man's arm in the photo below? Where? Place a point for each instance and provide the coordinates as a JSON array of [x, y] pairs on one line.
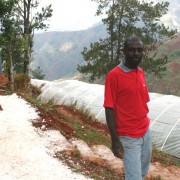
[[116, 144]]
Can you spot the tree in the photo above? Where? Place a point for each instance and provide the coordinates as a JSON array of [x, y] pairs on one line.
[[5, 7], [124, 18], [31, 22], [37, 73], [12, 45], [17, 30], [9, 39]]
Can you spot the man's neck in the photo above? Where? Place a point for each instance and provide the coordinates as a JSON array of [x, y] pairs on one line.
[[129, 66]]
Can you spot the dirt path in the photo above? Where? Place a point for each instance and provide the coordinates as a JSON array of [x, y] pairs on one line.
[[23, 154]]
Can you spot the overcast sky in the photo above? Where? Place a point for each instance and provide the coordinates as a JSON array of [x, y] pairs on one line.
[[72, 14], [80, 14]]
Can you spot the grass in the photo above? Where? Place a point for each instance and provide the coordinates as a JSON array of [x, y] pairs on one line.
[[82, 110], [85, 132], [164, 158]]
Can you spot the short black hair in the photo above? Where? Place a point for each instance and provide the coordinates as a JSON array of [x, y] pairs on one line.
[[131, 38]]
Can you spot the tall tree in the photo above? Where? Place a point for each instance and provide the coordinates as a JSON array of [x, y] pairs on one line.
[[30, 22], [12, 44], [123, 18], [18, 23], [9, 39]]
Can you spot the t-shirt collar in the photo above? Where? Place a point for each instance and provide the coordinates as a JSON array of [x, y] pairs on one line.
[[124, 68]]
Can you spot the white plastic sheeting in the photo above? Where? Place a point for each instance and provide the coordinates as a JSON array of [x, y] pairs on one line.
[[84, 95], [165, 122], [164, 109]]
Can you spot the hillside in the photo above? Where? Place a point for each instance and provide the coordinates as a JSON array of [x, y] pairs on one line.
[[59, 53], [170, 83]]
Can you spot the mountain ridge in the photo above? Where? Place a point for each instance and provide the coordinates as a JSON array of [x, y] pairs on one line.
[[61, 51]]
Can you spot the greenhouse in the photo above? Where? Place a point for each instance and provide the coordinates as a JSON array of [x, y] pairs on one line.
[[164, 109]]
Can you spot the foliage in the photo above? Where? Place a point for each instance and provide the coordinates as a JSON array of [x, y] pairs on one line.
[[29, 23], [164, 158], [37, 73], [12, 46], [21, 82], [124, 18], [5, 7], [17, 27], [10, 40]]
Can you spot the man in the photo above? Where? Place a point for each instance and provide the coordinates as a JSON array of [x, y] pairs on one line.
[[125, 103]]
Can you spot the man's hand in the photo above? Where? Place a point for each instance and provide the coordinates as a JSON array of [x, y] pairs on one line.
[[117, 148], [116, 144]]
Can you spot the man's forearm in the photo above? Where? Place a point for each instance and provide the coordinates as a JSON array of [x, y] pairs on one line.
[[110, 119], [116, 144]]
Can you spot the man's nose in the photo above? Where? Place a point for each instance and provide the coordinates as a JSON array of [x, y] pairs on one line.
[[136, 52]]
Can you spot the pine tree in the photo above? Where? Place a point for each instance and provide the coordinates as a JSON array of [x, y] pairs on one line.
[[123, 18]]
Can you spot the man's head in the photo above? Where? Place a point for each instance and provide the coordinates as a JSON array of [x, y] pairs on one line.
[[133, 51]]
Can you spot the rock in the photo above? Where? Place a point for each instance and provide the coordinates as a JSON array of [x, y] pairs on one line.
[[58, 143], [158, 170], [2, 91], [86, 152], [174, 170], [111, 161]]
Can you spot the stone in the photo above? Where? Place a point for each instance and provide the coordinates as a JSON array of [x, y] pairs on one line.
[[174, 170], [111, 161], [86, 152], [58, 143], [158, 170]]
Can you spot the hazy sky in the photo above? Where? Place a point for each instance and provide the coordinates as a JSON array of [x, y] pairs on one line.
[[72, 14], [80, 14]]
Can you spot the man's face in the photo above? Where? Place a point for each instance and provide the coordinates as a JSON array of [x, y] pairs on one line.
[[133, 53]]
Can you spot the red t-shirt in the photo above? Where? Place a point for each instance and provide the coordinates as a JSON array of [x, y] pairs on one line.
[[127, 94]]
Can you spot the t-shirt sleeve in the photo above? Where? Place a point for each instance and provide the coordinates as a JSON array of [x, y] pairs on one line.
[[147, 92], [110, 90]]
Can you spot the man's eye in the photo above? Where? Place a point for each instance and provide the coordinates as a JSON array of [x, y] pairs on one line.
[[140, 49], [135, 49]]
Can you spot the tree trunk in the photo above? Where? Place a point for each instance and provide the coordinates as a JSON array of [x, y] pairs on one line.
[[11, 69], [27, 36], [112, 32], [27, 56], [119, 32]]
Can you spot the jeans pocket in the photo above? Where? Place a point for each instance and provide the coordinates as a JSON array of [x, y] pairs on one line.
[[130, 143]]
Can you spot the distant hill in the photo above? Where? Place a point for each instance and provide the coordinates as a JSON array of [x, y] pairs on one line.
[[170, 83], [59, 53]]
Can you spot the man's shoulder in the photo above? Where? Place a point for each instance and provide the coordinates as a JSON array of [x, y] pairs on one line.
[[114, 71], [140, 69]]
